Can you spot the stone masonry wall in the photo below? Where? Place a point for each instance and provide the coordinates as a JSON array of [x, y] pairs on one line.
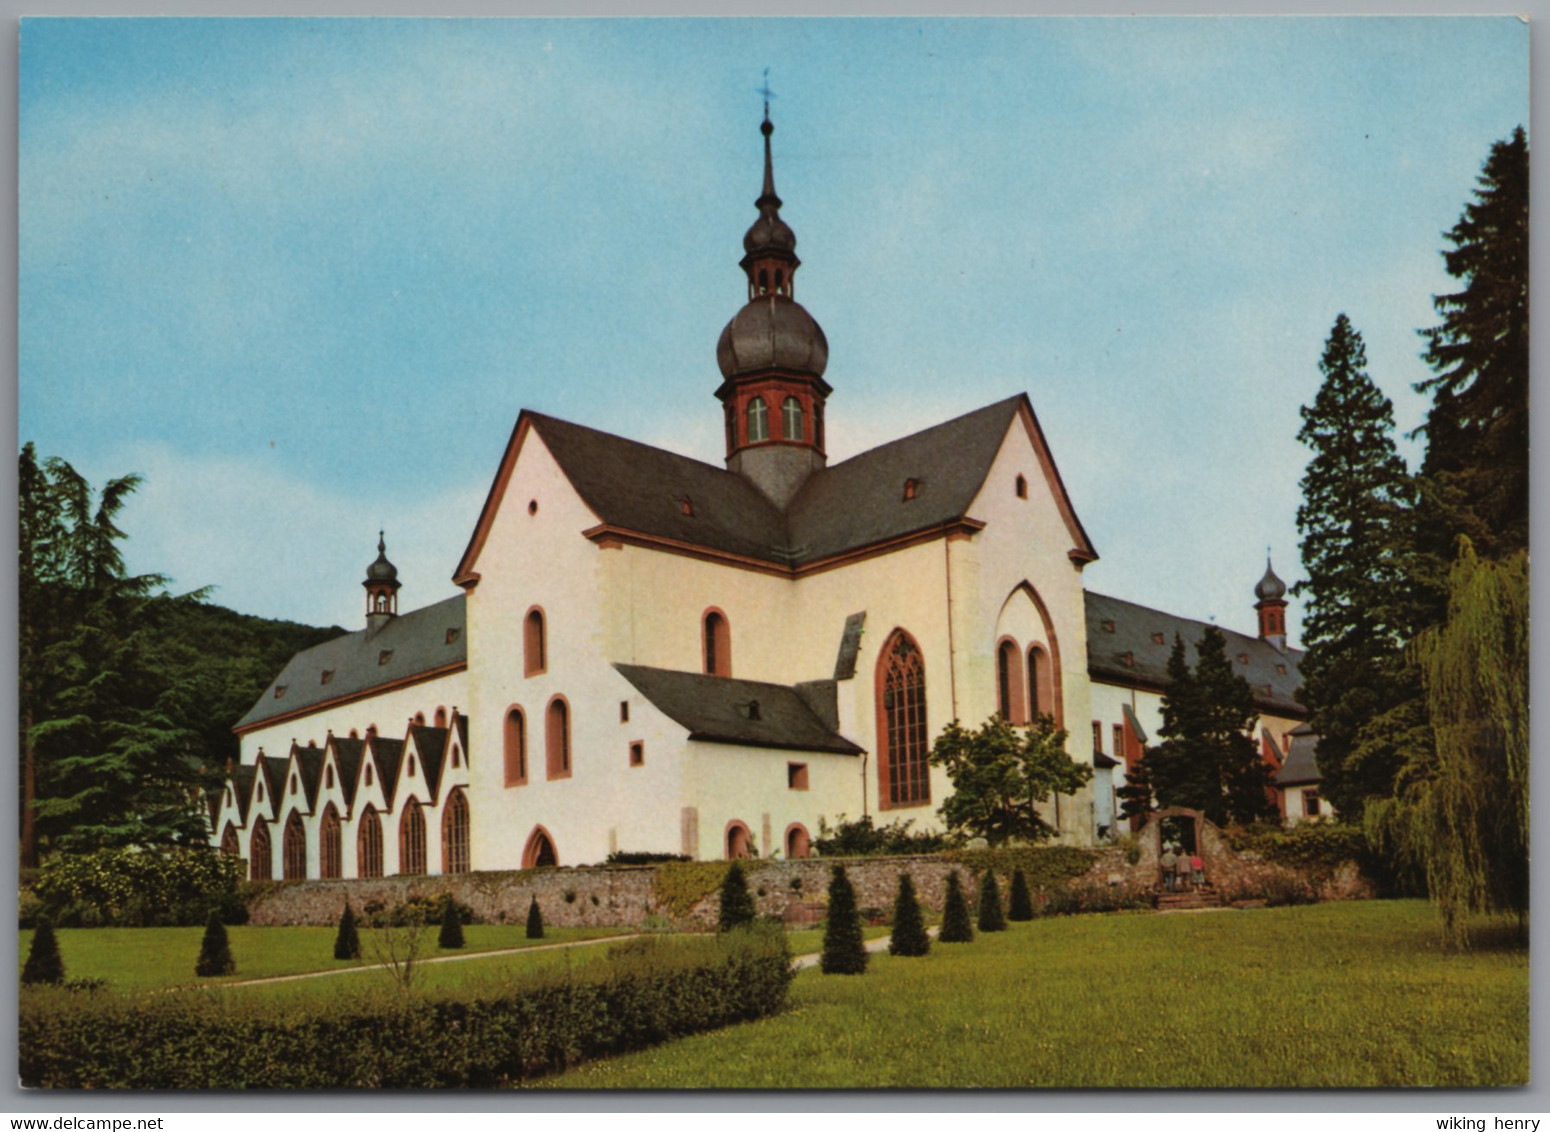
[[624, 896]]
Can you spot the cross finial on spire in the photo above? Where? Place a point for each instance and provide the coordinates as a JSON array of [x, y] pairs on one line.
[[767, 93]]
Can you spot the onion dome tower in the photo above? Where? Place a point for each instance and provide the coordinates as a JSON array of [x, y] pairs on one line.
[[1271, 606], [772, 357], [381, 589]]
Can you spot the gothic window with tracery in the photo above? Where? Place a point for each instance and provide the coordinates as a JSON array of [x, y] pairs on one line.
[[906, 779]]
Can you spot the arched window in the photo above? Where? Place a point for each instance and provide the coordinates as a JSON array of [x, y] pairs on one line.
[[540, 852], [1041, 697], [1022, 487], [798, 843], [441, 717], [904, 778], [295, 848], [739, 842], [791, 419], [718, 644], [758, 420], [419, 719], [1009, 682], [516, 747], [411, 840], [328, 776], [368, 844], [454, 834], [534, 655], [229, 845], [260, 856], [557, 738], [369, 776], [330, 846]]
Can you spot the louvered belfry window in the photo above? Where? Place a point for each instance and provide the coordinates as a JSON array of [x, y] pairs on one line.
[[907, 781]]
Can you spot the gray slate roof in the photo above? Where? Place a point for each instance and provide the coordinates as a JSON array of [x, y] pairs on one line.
[[1136, 629], [1301, 765], [716, 709], [851, 505], [417, 641]]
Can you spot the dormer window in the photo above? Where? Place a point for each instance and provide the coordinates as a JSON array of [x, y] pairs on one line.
[[1243, 658], [452, 635], [384, 656], [279, 690], [328, 674], [686, 505], [1108, 626], [1158, 638], [911, 487], [753, 710], [758, 420], [1130, 659]]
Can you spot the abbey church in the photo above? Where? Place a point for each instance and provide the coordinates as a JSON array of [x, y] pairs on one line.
[[657, 654]]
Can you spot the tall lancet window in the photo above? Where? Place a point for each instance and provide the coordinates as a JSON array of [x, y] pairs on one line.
[[791, 417], [901, 710], [758, 420]]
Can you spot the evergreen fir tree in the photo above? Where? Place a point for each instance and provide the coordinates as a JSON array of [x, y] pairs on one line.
[[956, 925], [992, 918], [844, 952], [44, 964], [214, 950], [347, 941], [909, 926], [535, 920], [737, 907], [1207, 760], [1474, 478], [1135, 796], [451, 935], [1022, 899], [1355, 520]]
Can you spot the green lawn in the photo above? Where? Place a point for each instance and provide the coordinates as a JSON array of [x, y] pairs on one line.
[[133, 959], [1332, 995]]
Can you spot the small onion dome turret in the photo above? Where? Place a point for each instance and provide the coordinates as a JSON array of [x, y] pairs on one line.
[[1270, 587], [381, 572], [772, 332]]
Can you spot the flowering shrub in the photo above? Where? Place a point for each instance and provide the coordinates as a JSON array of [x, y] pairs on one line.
[[138, 888]]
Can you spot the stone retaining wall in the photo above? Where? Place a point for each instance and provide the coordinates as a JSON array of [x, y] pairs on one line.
[[624, 896]]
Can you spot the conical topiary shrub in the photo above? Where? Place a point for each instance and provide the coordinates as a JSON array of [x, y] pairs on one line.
[[956, 925], [214, 950], [535, 920], [44, 964], [909, 927], [1022, 899], [737, 908], [992, 918], [844, 953], [347, 942], [451, 937]]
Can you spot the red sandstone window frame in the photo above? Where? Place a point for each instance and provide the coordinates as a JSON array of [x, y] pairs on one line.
[[514, 746], [796, 776], [1097, 736], [715, 642], [1009, 681], [293, 857], [455, 834], [260, 852], [903, 732], [535, 642], [368, 844], [411, 840], [1021, 487], [230, 847], [533, 852], [557, 738], [638, 752], [330, 845], [1119, 740]]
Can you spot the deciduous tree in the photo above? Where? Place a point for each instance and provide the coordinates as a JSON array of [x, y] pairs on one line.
[[1000, 773]]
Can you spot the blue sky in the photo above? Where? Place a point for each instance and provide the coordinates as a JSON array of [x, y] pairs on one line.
[[303, 274]]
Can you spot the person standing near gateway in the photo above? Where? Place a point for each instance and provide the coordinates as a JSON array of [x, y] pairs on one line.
[[1170, 864], [1197, 865]]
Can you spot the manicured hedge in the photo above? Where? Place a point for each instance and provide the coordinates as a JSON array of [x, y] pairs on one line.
[[642, 993], [138, 888]]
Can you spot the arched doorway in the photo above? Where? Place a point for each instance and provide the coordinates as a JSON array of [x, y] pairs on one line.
[[798, 843], [739, 842], [540, 852]]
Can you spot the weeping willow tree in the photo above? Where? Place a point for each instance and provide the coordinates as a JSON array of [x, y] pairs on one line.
[[1460, 814]]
